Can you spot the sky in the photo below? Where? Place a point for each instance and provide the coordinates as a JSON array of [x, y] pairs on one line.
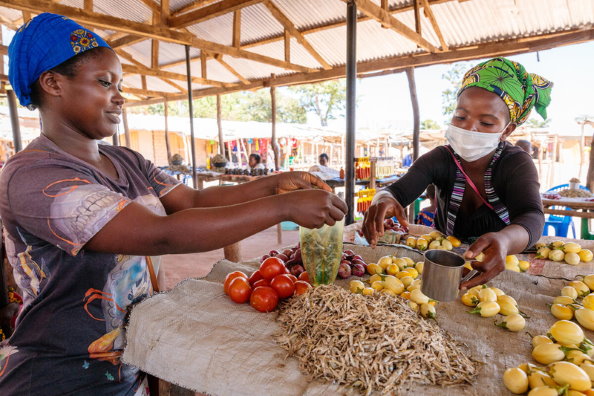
[[385, 100]]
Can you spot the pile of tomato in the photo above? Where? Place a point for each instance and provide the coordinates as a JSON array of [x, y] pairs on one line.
[[268, 285]]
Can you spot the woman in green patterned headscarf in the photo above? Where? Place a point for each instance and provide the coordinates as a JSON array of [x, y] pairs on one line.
[[487, 189], [520, 90]]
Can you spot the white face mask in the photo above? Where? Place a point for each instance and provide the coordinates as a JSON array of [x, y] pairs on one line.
[[472, 145]]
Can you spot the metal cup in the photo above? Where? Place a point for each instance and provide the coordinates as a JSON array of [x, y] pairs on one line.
[[442, 273]]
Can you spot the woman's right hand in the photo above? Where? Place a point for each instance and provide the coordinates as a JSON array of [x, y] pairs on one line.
[[384, 207], [313, 208]]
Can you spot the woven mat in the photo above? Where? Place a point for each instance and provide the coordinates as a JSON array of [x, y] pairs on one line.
[[196, 337]]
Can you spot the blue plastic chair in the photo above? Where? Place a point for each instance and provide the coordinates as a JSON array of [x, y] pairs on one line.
[[560, 223]]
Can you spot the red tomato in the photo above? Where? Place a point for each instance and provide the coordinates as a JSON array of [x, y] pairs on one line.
[[272, 267], [304, 277], [240, 290], [256, 276], [230, 276], [301, 287], [264, 299], [261, 282], [284, 285], [293, 277]]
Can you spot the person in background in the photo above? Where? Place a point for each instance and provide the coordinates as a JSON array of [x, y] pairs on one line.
[[525, 145], [322, 170], [487, 189], [255, 162], [426, 216], [85, 223]]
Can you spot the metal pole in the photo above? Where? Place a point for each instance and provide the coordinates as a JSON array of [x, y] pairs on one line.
[[14, 120], [351, 94], [191, 109], [410, 74]]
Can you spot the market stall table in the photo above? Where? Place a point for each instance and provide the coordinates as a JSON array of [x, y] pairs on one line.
[[196, 337], [578, 207]]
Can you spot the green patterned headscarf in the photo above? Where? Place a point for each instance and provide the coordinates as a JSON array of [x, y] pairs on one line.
[[520, 90]]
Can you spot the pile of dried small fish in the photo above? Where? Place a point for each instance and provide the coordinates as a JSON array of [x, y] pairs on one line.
[[375, 343], [568, 193]]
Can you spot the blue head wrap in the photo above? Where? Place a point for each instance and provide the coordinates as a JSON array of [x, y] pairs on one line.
[[41, 44]]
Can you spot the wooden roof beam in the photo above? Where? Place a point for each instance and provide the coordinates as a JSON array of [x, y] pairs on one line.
[[193, 5], [172, 76], [126, 40], [3, 48], [385, 18], [232, 70], [429, 14], [209, 12], [88, 5], [337, 24], [130, 58], [236, 29], [477, 51], [290, 27], [154, 7], [142, 29]]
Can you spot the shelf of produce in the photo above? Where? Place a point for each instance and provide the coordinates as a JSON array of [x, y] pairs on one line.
[[195, 336]]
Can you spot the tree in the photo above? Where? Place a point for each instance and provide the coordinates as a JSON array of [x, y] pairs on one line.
[[326, 99], [538, 123], [239, 106], [450, 95], [430, 124]]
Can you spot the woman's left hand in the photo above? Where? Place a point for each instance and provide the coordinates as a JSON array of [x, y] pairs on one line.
[[495, 249], [291, 181]]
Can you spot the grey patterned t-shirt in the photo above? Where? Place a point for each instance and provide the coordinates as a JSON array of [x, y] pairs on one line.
[[69, 336]]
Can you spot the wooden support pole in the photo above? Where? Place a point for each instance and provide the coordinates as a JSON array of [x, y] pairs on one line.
[[126, 129], [273, 139], [220, 127], [14, 121], [232, 253], [167, 142]]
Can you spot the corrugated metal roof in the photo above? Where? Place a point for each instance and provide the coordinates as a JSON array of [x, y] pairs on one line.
[[462, 23], [218, 30], [258, 23], [133, 10]]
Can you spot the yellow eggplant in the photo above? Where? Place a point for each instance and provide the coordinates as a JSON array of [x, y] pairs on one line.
[[566, 373], [515, 380], [585, 317], [580, 287], [567, 333], [540, 339], [569, 292], [548, 353], [562, 312], [486, 309], [538, 378], [487, 295], [513, 322]]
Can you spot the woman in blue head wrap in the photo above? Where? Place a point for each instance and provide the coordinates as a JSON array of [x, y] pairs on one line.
[[82, 218]]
